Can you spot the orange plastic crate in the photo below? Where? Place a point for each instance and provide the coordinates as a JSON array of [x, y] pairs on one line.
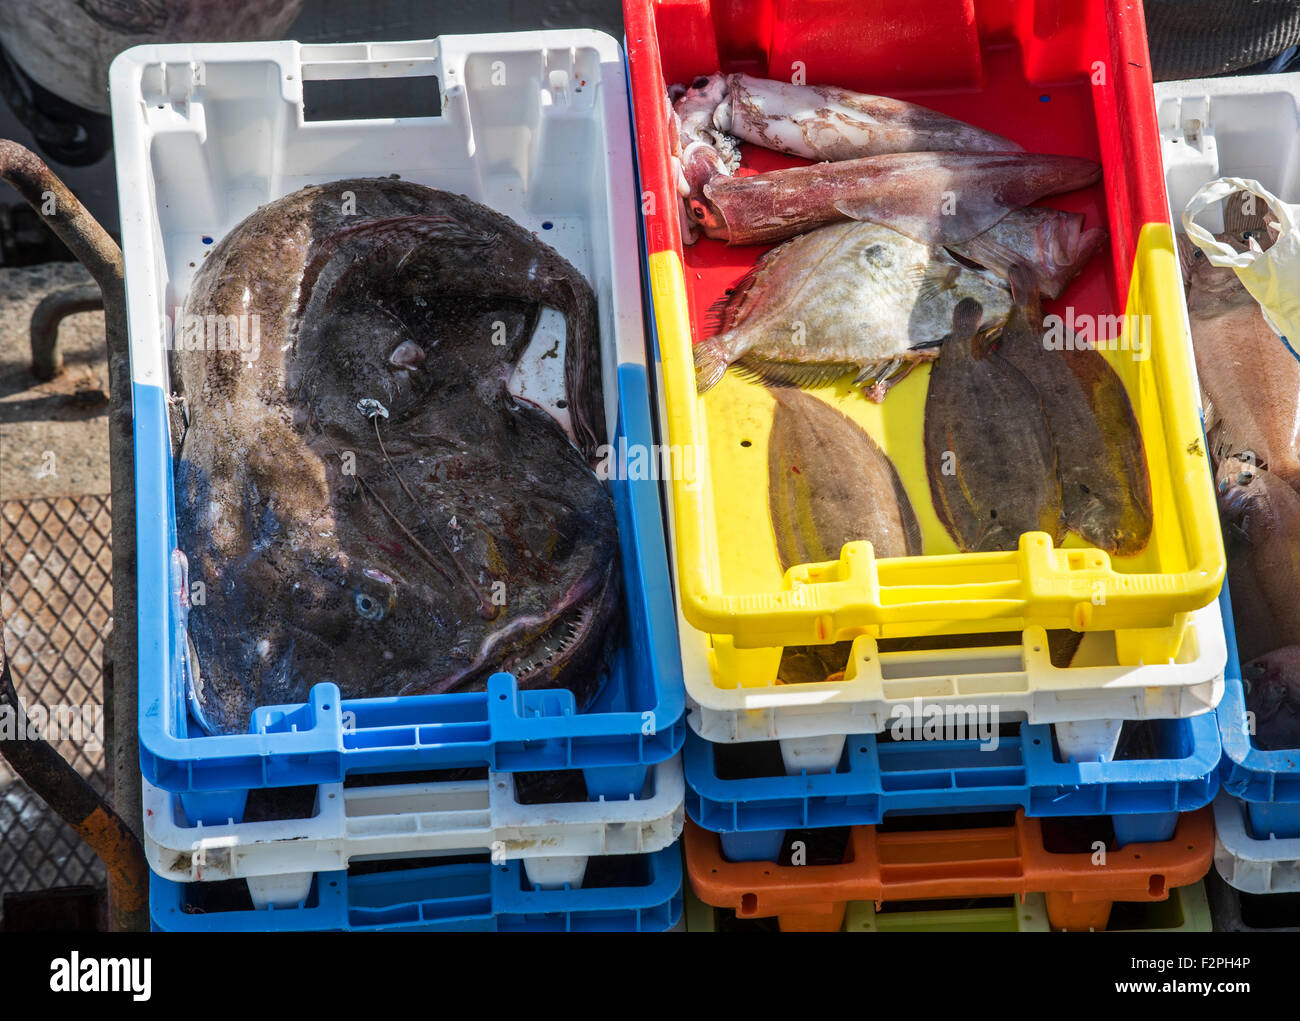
[[943, 864]]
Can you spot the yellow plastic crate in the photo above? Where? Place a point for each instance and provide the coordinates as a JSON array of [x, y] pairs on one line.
[[729, 579]]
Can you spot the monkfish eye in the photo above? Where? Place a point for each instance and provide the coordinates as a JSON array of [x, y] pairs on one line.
[[700, 82], [375, 597], [369, 607]]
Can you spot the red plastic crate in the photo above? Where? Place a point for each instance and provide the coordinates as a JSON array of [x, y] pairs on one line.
[[1066, 77]]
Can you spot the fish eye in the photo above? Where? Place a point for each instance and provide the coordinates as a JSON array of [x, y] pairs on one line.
[[697, 209], [700, 82], [368, 607], [1198, 254]]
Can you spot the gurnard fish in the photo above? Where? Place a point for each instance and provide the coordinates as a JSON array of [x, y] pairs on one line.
[[1250, 382], [849, 296], [1272, 684], [363, 498], [933, 197], [1261, 521], [829, 484], [989, 454], [1053, 243], [820, 122], [1105, 484]]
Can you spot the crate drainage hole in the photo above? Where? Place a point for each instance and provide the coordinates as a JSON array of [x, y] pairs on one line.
[[749, 904], [1156, 887]]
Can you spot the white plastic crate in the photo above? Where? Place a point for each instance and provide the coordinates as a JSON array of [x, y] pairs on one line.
[[1086, 702], [1247, 863], [278, 858], [216, 130], [1241, 126], [534, 125]]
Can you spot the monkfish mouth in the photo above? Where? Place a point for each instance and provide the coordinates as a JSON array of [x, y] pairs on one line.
[[561, 647], [543, 660]]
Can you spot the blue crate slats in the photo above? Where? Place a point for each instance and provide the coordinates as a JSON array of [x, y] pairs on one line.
[[877, 777], [455, 897], [637, 720]]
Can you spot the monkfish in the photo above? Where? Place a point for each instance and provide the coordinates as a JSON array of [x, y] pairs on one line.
[[363, 498]]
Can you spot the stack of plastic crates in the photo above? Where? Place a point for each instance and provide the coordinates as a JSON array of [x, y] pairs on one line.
[[1245, 126], [501, 809], [1015, 739]]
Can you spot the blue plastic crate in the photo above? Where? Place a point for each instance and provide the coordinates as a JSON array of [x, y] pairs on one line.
[[456, 897], [1267, 781], [877, 777], [636, 722]]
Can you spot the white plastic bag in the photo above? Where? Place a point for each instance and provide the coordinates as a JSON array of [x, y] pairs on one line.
[[1272, 277]]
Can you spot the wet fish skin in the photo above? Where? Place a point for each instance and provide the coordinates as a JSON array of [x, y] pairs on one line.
[[820, 122], [933, 197], [812, 664], [985, 424], [1272, 685], [377, 571], [1053, 242], [829, 484], [1105, 482], [846, 296], [1250, 383], [1261, 520]]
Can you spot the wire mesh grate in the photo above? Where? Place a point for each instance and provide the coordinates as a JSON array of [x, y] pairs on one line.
[[56, 600]]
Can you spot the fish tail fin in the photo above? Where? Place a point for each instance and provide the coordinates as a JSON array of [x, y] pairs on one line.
[[710, 363]]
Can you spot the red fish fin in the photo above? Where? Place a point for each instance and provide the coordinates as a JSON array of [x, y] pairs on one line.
[[727, 311]]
